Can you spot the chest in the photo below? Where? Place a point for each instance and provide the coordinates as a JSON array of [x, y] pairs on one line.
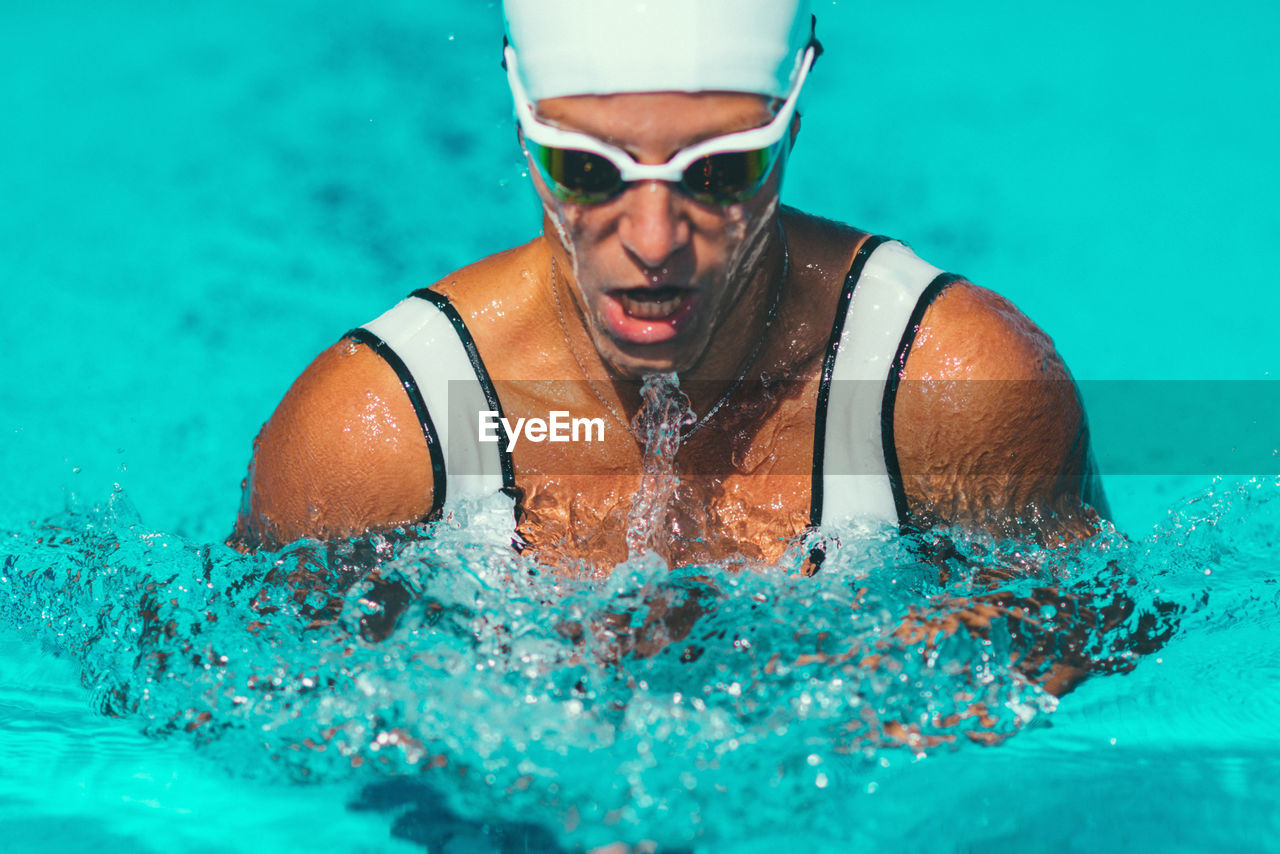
[[741, 486]]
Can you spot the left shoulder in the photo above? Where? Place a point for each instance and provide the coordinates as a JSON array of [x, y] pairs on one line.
[[988, 424], [971, 333]]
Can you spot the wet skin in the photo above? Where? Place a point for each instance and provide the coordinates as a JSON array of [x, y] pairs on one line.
[[654, 281], [344, 452]]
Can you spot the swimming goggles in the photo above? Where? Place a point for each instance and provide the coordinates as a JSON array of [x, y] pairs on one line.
[[723, 170]]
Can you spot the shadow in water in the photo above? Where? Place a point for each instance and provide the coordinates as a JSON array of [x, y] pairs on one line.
[[423, 818]]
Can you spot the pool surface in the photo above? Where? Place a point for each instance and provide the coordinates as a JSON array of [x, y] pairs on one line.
[[197, 201]]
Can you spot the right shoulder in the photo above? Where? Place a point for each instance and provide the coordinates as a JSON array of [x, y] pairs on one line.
[[505, 303], [343, 453], [496, 274]]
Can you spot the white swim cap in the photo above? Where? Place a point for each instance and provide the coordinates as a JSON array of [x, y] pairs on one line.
[[604, 47]]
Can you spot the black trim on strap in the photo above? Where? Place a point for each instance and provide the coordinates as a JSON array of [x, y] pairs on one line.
[[439, 483], [441, 302], [937, 286], [869, 245]]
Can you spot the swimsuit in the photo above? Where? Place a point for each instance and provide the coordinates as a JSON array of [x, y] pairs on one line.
[[855, 462]]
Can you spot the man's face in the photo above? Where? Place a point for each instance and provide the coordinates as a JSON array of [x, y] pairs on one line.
[[658, 273]]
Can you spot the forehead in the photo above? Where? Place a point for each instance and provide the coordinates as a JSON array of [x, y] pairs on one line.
[[668, 120]]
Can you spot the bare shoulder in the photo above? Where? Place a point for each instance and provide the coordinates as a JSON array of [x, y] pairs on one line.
[[972, 333], [503, 301], [343, 453], [821, 243], [988, 423], [822, 252], [492, 271]]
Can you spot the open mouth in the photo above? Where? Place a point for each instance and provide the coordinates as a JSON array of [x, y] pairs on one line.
[[649, 315], [653, 303]]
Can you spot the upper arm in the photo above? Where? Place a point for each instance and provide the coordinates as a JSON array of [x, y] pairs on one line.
[[988, 424], [343, 453]]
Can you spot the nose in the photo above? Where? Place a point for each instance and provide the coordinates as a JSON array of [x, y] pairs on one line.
[[652, 226]]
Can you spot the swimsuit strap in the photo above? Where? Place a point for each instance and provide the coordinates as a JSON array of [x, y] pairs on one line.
[[855, 464], [855, 461], [427, 344]]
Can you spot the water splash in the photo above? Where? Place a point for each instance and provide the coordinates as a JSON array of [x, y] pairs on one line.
[[663, 417], [677, 705]]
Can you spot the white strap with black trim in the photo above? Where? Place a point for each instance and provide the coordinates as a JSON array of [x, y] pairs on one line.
[[859, 477], [426, 333], [856, 480]]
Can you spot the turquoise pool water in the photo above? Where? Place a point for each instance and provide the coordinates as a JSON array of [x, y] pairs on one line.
[[196, 201]]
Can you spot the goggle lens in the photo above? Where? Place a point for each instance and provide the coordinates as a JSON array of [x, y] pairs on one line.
[[728, 177], [578, 176], [584, 177]]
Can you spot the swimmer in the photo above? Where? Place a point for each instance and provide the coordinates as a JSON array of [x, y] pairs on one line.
[[832, 375]]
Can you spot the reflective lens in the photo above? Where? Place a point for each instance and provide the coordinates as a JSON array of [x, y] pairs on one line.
[[577, 176], [728, 177]]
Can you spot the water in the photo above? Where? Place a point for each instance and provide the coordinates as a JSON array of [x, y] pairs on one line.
[[659, 424], [459, 677], [196, 201]]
